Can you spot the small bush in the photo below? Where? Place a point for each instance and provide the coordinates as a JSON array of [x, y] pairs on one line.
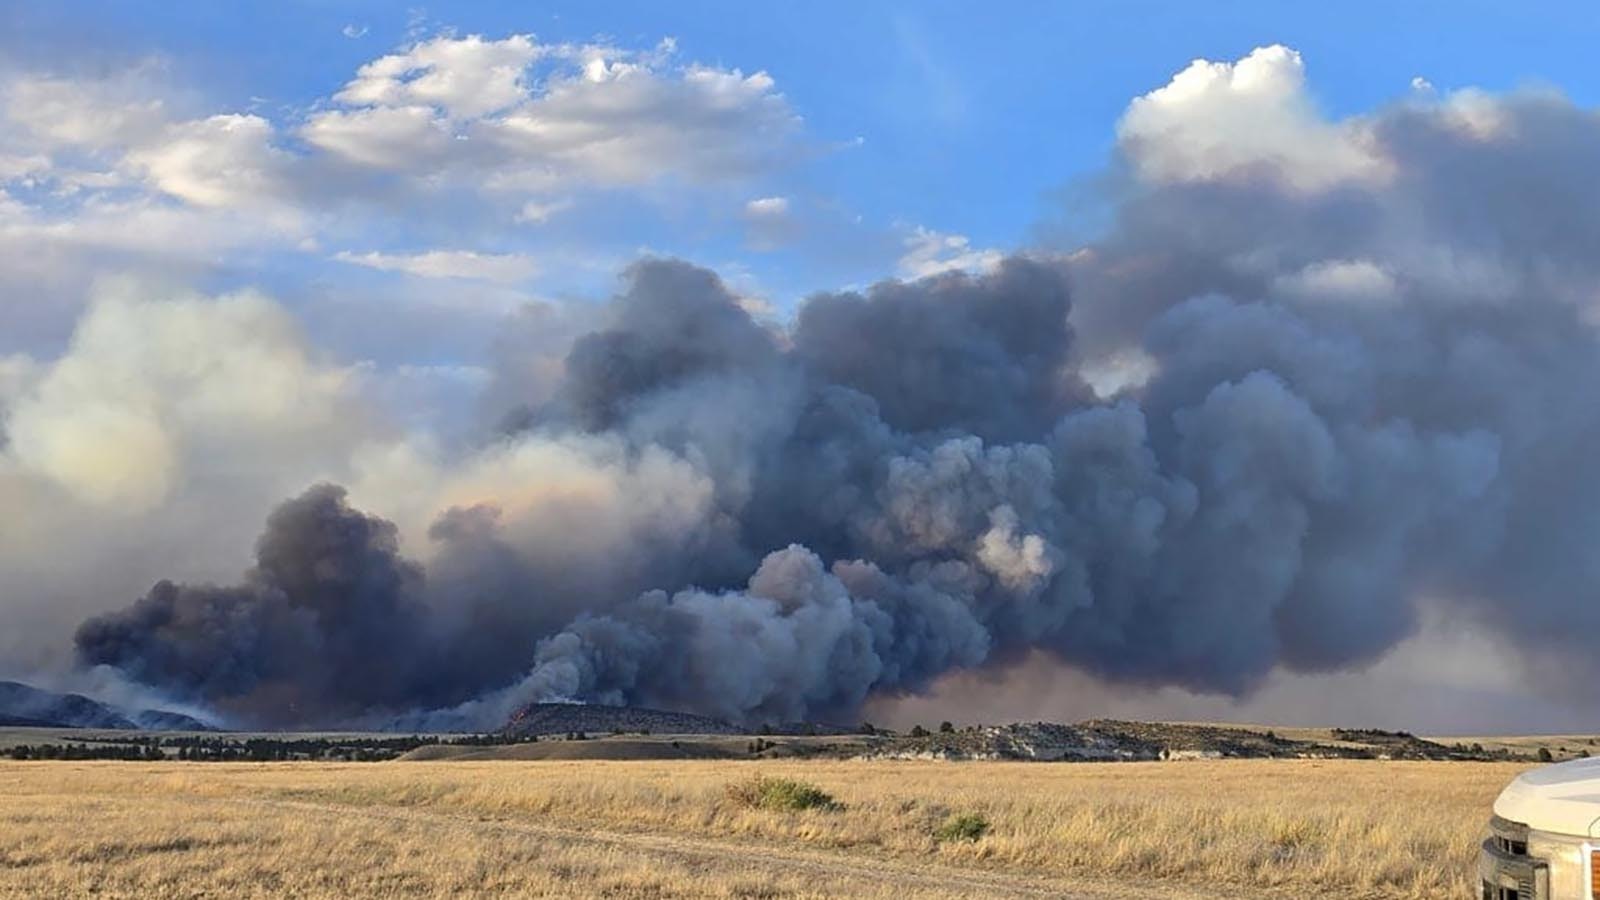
[[780, 794], [962, 827]]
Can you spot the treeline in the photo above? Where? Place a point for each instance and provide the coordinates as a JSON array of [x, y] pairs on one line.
[[189, 748], [215, 749], [130, 752]]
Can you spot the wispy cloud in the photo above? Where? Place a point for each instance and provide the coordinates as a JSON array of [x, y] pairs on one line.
[[930, 252], [502, 268]]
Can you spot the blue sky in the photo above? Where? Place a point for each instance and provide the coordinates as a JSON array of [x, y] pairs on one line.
[[966, 119]]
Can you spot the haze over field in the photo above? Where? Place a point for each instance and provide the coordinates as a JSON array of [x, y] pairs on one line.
[[503, 367]]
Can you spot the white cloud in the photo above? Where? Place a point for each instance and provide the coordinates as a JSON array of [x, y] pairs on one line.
[[353, 31], [518, 115], [769, 223], [143, 226], [538, 212], [224, 160], [503, 268], [16, 167], [52, 257], [930, 252], [114, 184], [96, 114], [767, 207], [128, 174], [465, 78], [401, 138], [505, 127], [1218, 120], [630, 123]]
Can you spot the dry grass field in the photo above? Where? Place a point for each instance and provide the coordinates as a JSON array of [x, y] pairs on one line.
[[1247, 828]]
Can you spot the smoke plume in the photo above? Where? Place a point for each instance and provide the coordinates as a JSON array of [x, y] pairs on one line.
[[1312, 375]]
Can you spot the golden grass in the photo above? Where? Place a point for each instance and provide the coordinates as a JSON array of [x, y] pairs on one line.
[[670, 829]]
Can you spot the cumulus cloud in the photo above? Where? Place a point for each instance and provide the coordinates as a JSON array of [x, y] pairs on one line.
[[84, 135], [472, 129], [531, 115], [109, 176], [95, 114], [463, 77], [509, 113], [225, 160], [384, 137], [1250, 117]]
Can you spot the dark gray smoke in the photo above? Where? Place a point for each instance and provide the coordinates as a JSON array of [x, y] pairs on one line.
[[676, 324], [1350, 402], [326, 624], [982, 356]]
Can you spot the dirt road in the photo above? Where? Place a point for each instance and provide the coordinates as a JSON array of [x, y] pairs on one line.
[[833, 873], [101, 855]]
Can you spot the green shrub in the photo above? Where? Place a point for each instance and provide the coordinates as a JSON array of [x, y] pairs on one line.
[[962, 827], [781, 794]]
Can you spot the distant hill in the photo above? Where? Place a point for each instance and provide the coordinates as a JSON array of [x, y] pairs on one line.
[[1108, 739], [167, 720], [23, 705], [692, 736], [539, 719], [22, 722]]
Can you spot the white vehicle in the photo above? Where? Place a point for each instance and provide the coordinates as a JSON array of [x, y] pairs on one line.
[[1544, 838]]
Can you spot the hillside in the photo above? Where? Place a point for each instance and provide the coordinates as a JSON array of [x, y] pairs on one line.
[[1105, 740], [23, 705], [1098, 740]]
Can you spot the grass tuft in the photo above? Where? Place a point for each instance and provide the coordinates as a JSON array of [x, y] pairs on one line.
[[962, 827], [780, 794]]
